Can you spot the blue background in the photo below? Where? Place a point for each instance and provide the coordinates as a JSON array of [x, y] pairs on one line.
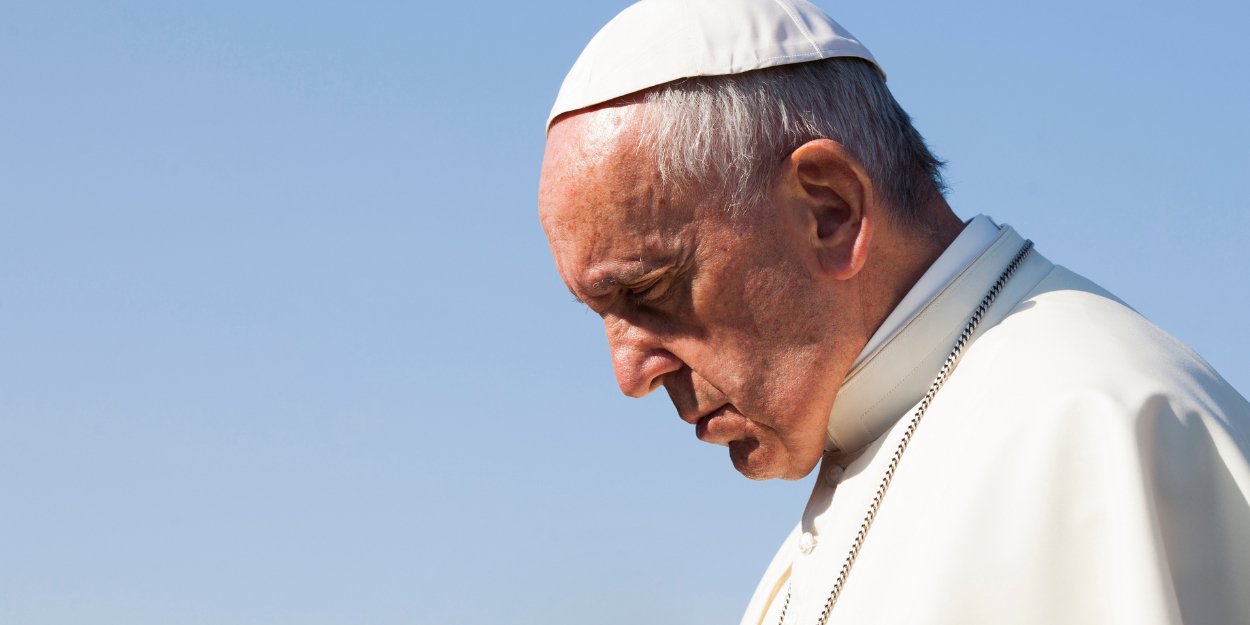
[[281, 342]]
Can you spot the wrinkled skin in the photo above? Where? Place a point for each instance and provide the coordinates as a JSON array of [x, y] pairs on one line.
[[749, 322]]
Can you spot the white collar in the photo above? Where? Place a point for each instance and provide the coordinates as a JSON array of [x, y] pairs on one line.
[[898, 363], [971, 242]]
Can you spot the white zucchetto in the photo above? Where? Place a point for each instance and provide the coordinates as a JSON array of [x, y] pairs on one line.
[[658, 41]]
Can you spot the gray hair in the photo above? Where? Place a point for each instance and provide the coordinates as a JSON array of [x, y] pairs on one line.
[[732, 133]]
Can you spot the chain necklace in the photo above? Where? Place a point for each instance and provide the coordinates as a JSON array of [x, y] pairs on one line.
[[947, 367]]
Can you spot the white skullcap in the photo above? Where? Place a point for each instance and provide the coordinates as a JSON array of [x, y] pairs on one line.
[[658, 41]]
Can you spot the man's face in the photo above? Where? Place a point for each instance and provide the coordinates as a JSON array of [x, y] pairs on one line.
[[729, 314]]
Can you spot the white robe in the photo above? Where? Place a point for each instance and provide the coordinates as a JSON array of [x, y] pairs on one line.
[[1079, 466]]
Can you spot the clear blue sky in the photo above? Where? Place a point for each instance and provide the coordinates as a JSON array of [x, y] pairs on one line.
[[281, 342]]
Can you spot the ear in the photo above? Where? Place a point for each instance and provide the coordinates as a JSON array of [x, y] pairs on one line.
[[835, 199]]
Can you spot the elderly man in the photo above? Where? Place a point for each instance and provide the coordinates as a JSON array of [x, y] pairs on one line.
[[730, 185]]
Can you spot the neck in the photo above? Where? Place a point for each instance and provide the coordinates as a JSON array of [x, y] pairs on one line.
[[901, 253]]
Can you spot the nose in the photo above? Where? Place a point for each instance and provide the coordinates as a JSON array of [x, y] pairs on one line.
[[639, 357]]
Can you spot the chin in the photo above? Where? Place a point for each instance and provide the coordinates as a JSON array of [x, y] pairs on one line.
[[758, 461]]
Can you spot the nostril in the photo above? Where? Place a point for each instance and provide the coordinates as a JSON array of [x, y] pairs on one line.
[[655, 383], [638, 356], [639, 373], [630, 378]]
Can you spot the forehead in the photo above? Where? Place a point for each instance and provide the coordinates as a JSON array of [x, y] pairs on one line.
[[600, 195], [594, 168]]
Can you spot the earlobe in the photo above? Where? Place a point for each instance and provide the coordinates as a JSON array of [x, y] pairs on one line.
[[838, 201]]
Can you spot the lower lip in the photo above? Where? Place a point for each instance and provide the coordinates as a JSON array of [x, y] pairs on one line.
[[700, 428]]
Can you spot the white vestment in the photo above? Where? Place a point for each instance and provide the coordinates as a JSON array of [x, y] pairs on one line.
[[1079, 466]]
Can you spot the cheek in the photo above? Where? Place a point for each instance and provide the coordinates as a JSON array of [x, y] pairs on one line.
[[780, 305], [786, 385], [771, 342], [759, 319], [779, 365]]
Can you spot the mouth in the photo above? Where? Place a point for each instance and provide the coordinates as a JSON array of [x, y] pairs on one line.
[[693, 418], [702, 424]]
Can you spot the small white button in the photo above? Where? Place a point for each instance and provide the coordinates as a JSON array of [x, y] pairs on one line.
[[807, 543], [833, 474]]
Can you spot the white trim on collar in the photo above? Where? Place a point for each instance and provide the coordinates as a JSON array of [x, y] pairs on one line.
[[971, 242]]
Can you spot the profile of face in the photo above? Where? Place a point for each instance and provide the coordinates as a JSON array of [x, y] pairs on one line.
[[732, 314]]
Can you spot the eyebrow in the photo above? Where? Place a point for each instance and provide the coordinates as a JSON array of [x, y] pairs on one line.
[[640, 273], [631, 277]]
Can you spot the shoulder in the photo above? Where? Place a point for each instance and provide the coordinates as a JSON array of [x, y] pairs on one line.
[[1079, 423], [1071, 342], [1075, 380]]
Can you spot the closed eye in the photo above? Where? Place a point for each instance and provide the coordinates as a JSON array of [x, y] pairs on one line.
[[652, 292]]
